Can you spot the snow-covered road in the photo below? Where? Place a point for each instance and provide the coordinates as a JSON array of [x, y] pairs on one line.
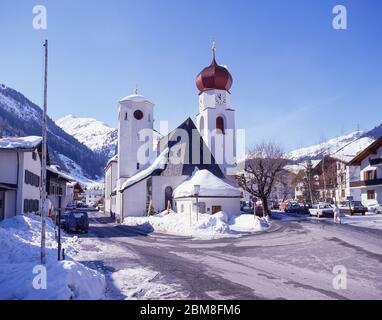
[[293, 260]]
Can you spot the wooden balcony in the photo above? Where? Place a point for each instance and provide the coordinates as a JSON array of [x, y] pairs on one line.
[[365, 183]]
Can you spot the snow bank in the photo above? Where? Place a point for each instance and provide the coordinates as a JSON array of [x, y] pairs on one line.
[[207, 227], [250, 223], [20, 254], [210, 186]]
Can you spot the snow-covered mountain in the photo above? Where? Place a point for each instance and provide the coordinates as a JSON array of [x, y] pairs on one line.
[[343, 147], [94, 134], [21, 117]]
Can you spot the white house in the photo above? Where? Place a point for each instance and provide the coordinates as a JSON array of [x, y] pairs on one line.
[[111, 177], [212, 193], [93, 196], [368, 183], [20, 170], [141, 176]]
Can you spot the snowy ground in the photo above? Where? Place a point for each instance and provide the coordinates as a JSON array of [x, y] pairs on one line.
[[295, 259], [20, 254], [205, 227], [128, 277], [373, 221]]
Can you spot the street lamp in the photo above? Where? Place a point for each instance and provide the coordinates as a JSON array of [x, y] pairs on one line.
[[196, 194]]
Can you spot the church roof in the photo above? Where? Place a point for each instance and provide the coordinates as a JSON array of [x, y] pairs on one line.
[[184, 150], [135, 98]]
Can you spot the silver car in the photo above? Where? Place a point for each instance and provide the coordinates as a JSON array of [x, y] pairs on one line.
[[322, 210]]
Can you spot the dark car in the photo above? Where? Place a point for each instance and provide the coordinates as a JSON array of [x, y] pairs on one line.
[[76, 221], [352, 207], [294, 207]]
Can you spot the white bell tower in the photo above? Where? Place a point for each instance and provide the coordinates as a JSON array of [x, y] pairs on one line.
[[135, 132], [216, 118]]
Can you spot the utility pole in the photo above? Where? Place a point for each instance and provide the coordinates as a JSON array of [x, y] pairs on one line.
[[43, 160]]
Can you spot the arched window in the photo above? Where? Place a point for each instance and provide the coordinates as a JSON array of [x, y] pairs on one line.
[[220, 125], [201, 124], [168, 197], [125, 115]]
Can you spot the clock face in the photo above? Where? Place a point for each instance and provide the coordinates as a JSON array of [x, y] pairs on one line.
[[220, 98]]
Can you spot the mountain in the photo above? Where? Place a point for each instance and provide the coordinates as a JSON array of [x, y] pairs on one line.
[[94, 134], [343, 147], [21, 117]]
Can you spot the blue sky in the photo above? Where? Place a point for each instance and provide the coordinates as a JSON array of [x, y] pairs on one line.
[[296, 79]]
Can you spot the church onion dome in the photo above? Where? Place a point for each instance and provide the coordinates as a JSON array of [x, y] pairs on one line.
[[214, 77], [135, 98]]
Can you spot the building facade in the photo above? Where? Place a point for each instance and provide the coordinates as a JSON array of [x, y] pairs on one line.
[[366, 183], [20, 170]]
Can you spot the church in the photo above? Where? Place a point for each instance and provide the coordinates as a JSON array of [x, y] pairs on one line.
[[149, 167]]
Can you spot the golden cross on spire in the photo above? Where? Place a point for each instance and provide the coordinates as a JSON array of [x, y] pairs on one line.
[[136, 89], [213, 47]]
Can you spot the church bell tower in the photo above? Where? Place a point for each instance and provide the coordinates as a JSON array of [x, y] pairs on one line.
[[216, 118]]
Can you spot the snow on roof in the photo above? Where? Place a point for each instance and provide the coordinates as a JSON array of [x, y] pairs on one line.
[[12, 143], [54, 169], [113, 159], [159, 163], [210, 186], [135, 98]]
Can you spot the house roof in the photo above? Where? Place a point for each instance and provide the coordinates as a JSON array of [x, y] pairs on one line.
[[20, 143], [210, 186], [371, 149], [55, 171], [194, 154]]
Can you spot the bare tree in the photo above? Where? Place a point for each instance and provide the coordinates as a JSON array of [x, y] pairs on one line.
[[263, 167]]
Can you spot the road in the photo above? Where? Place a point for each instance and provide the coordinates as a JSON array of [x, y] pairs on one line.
[[293, 260]]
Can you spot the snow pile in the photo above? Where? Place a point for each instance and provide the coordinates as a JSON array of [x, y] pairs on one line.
[[250, 223], [20, 142], [20, 255], [210, 186], [206, 226]]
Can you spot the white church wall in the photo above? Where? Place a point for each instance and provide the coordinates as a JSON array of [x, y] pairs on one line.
[[158, 189], [228, 205], [134, 200]]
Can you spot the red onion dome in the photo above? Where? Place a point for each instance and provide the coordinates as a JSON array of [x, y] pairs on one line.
[[214, 77]]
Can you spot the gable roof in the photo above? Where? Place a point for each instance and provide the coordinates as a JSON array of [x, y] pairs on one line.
[[371, 149], [185, 145], [20, 143]]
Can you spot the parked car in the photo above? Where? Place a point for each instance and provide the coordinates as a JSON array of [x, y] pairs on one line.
[[294, 207], [76, 221], [322, 210], [274, 205], [352, 207], [376, 208]]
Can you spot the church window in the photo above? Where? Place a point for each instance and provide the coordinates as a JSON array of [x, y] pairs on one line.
[[168, 197], [201, 124], [220, 125], [149, 118], [138, 165], [125, 115], [138, 114], [182, 208]]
